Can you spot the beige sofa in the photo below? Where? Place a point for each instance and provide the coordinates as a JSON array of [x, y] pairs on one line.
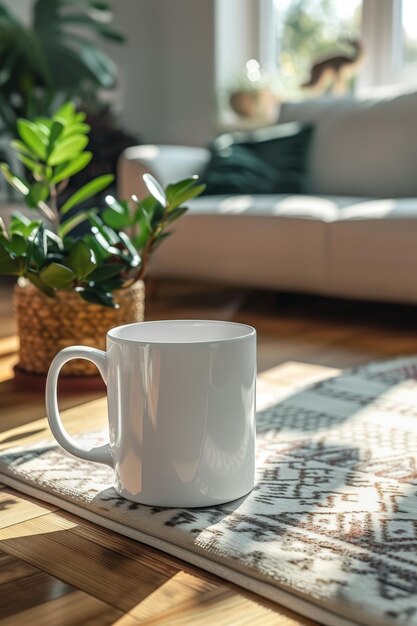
[[354, 236]]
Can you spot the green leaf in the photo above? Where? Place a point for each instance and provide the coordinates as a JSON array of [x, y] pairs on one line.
[[106, 271], [15, 181], [73, 221], [176, 213], [90, 4], [33, 137], [155, 189], [134, 256], [101, 6], [95, 24], [68, 242], [9, 264], [116, 214], [32, 165], [67, 170], [87, 191], [108, 233], [66, 112], [142, 219], [121, 207], [177, 188], [17, 244], [45, 123], [57, 276], [111, 34], [53, 240], [38, 248], [82, 259], [157, 216], [140, 240], [80, 117], [22, 225], [111, 285], [114, 219], [19, 220], [67, 149], [38, 192], [149, 213], [144, 211], [76, 129], [44, 128], [54, 135], [186, 195], [102, 68], [19, 146], [100, 239], [96, 242], [117, 252], [39, 284], [98, 297]]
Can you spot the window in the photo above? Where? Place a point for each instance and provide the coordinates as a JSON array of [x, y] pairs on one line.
[[294, 33], [409, 35], [305, 30]]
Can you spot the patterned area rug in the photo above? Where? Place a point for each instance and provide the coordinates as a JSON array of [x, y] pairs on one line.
[[331, 527]]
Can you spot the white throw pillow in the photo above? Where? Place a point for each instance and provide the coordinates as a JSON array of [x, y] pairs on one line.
[[362, 147]]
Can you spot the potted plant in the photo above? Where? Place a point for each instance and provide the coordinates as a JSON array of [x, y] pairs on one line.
[[73, 286], [252, 96]]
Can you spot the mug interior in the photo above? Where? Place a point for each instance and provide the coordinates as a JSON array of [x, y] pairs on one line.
[[181, 331]]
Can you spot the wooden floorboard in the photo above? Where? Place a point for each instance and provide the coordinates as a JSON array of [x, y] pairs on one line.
[[29, 595], [15, 508], [133, 578]]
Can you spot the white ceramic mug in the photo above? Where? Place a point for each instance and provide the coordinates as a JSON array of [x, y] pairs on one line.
[[181, 405]]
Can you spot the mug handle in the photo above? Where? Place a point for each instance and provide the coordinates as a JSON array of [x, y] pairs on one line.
[[100, 454]]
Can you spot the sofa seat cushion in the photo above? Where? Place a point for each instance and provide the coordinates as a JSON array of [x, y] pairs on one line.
[[258, 241], [335, 245], [372, 251]]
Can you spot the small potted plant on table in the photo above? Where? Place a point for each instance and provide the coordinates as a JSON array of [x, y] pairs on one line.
[[73, 287]]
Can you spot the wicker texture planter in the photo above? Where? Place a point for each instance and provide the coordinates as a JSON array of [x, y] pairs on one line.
[[46, 325]]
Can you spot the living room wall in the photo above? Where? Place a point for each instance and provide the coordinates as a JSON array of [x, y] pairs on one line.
[[167, 73]]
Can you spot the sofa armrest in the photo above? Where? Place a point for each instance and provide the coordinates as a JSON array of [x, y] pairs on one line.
[[167, 163]]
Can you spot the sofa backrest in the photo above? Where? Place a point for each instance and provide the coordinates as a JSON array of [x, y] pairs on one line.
[[361, 147]]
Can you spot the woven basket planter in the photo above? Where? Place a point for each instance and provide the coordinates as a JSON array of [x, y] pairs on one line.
[[46, 325]]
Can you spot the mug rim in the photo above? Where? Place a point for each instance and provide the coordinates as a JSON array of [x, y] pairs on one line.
[[250, 332]]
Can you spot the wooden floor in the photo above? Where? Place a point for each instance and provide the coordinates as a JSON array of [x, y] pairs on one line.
[[56, 569]]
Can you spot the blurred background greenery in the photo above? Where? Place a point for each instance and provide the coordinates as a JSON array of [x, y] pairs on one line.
[[59, 56]]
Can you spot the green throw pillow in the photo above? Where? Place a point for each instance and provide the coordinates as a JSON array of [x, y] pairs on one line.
[[270, 160]]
